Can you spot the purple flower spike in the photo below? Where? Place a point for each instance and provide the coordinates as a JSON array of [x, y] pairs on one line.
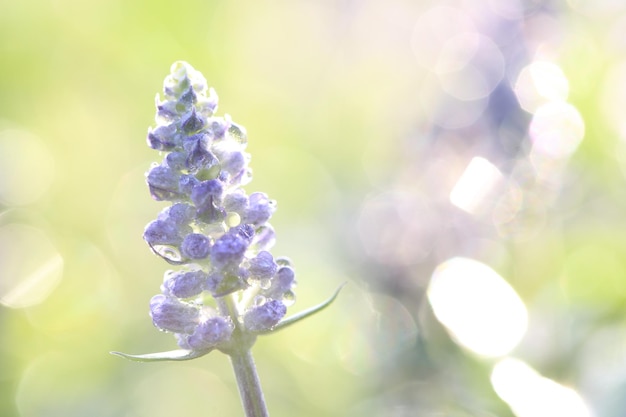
[[265, 316], [212, 225], [196, 246]]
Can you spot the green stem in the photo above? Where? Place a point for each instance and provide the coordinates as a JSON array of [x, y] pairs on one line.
[[249, 384], [243, 364]]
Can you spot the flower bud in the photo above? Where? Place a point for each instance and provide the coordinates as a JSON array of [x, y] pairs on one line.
[[192, 122], [282, 282], [198, 154], [210, 333], [208, 105], [166, 110], [228, 251], [177, 161], [205, 193], [195, 246], [285, 277], [214, 280], [219, 127], [163, 138], [162, 232], [205, 196], [163, 183], [172, 315], [187, 183], [262, 266], [260, 209], [234, 162], [265, 316], [246, 231], [188, 98], [186, 284], [236, 201], [179, 214]]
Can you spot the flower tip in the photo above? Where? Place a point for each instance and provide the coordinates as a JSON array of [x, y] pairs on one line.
[[180, 68]]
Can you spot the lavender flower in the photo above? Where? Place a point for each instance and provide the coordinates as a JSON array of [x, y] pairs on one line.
[[229, 287], [212, 223]]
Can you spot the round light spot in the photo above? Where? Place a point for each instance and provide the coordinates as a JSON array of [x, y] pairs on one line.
[[531, 395], [539, 83], [556, 130], [477, 184], [479, 308]]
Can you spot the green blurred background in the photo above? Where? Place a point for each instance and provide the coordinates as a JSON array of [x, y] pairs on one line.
[[359, 133]]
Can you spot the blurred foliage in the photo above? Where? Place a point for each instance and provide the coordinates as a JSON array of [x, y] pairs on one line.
[[360, 138]]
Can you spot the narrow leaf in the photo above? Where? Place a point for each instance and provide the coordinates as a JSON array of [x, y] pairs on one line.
[[304, 314], [172, 355]]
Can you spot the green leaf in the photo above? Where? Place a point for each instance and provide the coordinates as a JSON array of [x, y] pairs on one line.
[[304, 314], [172, 355]]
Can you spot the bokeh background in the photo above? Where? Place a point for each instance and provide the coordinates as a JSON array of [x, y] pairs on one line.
[[460, 163]]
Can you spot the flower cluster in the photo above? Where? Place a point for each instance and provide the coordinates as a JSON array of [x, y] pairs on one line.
[[218, 235]]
